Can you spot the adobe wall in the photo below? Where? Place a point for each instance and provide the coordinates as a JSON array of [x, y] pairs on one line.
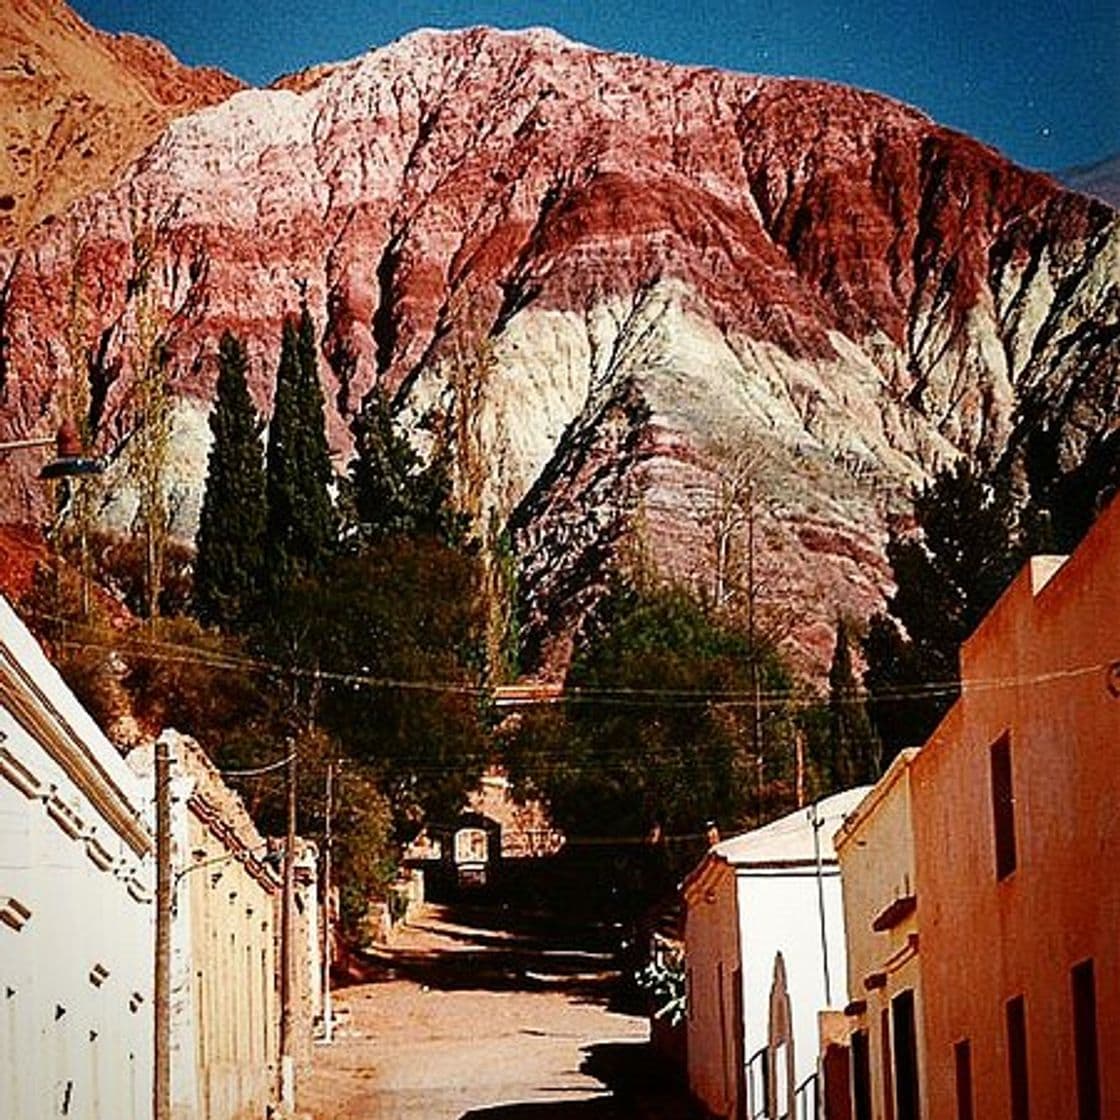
[[1037, 669], [712, 956]]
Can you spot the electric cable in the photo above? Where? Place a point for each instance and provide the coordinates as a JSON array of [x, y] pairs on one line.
[[622, 696]]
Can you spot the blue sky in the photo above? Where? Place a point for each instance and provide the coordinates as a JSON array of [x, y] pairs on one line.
[[1040, 81]]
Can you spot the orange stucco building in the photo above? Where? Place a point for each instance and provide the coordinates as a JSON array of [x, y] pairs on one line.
[[1016, 817], [981, 903]]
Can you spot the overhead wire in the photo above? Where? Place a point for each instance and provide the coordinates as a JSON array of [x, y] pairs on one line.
[[257, 771], [627, 696]]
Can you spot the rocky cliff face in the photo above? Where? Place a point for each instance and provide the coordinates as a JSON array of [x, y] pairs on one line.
[[614, 276], [76, 106]]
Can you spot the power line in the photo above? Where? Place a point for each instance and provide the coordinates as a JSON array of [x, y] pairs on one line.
[[259, 770], [623, 696]]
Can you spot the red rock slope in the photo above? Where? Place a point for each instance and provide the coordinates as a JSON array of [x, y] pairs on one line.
[[77, 105], [21, 549], [617, 273]]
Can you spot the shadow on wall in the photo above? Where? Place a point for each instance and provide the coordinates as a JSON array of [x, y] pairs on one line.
[[636, 1087]]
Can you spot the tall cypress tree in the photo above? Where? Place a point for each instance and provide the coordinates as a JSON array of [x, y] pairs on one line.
[[390, 492], [947, 578], [301, 521], [231, 527], [853, 747], [318, 523]]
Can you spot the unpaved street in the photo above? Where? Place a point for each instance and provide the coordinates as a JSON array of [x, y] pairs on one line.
[[479, 1024]]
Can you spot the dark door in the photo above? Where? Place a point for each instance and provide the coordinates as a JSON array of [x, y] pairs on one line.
[[905, 1056]]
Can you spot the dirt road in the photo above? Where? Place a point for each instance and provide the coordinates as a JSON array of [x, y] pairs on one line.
[[476, 1023]]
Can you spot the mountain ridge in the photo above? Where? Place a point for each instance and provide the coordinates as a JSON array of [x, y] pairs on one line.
[[610, 270], [77, 104], [1100, 179]]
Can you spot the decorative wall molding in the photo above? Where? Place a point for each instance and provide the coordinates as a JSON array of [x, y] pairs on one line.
[[65, 816], [13, 913], [138, 889], [101, 856], [22, 695], [18, 774]]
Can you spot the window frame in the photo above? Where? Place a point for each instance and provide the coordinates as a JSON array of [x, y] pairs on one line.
[[1003, 807]]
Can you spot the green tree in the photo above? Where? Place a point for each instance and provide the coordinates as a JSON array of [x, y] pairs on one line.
[[948, 574], [382, 650], [301, 529], [1064, 503], [389, 491], [853, 749], [230, 562], [656, 722], [363, 848], [652, 740], [198, 680]]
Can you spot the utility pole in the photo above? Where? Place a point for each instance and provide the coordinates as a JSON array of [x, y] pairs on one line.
[[161, 1074], [328, 1009], [818, 824], [799, 766], [752, 641], [286, 1087]]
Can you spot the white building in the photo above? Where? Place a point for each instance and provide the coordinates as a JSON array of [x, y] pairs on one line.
[[764, 950], [225, 902], [76, 909]]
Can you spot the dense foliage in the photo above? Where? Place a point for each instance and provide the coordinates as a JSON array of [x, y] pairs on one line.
[[359, 638], [853, 754], [382, 650], [230, 559], [658, 723], [301, 524], [389, 492], [1064, 503], [949, 572]]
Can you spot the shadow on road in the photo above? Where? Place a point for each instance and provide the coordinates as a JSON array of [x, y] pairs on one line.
[[474, 948], [636, 1084]]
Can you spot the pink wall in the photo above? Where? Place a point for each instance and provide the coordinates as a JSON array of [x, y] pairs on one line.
[[1037, 669]]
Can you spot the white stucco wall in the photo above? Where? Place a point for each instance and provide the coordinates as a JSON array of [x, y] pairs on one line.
[[223, 971], [76, 911], [779, 912]]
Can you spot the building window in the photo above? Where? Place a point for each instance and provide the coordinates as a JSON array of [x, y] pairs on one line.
[[781, 1080], [861, 1077], [904, 1030], [805, 1099], [471, 845], [1017, 1059], [758, 1083], [888, 1072], [1003, 807], [962, 1062], [1085, 1041]]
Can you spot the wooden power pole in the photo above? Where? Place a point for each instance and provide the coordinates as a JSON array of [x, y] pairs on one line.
[[328, 1009], [161, 1073], [287, 945]]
